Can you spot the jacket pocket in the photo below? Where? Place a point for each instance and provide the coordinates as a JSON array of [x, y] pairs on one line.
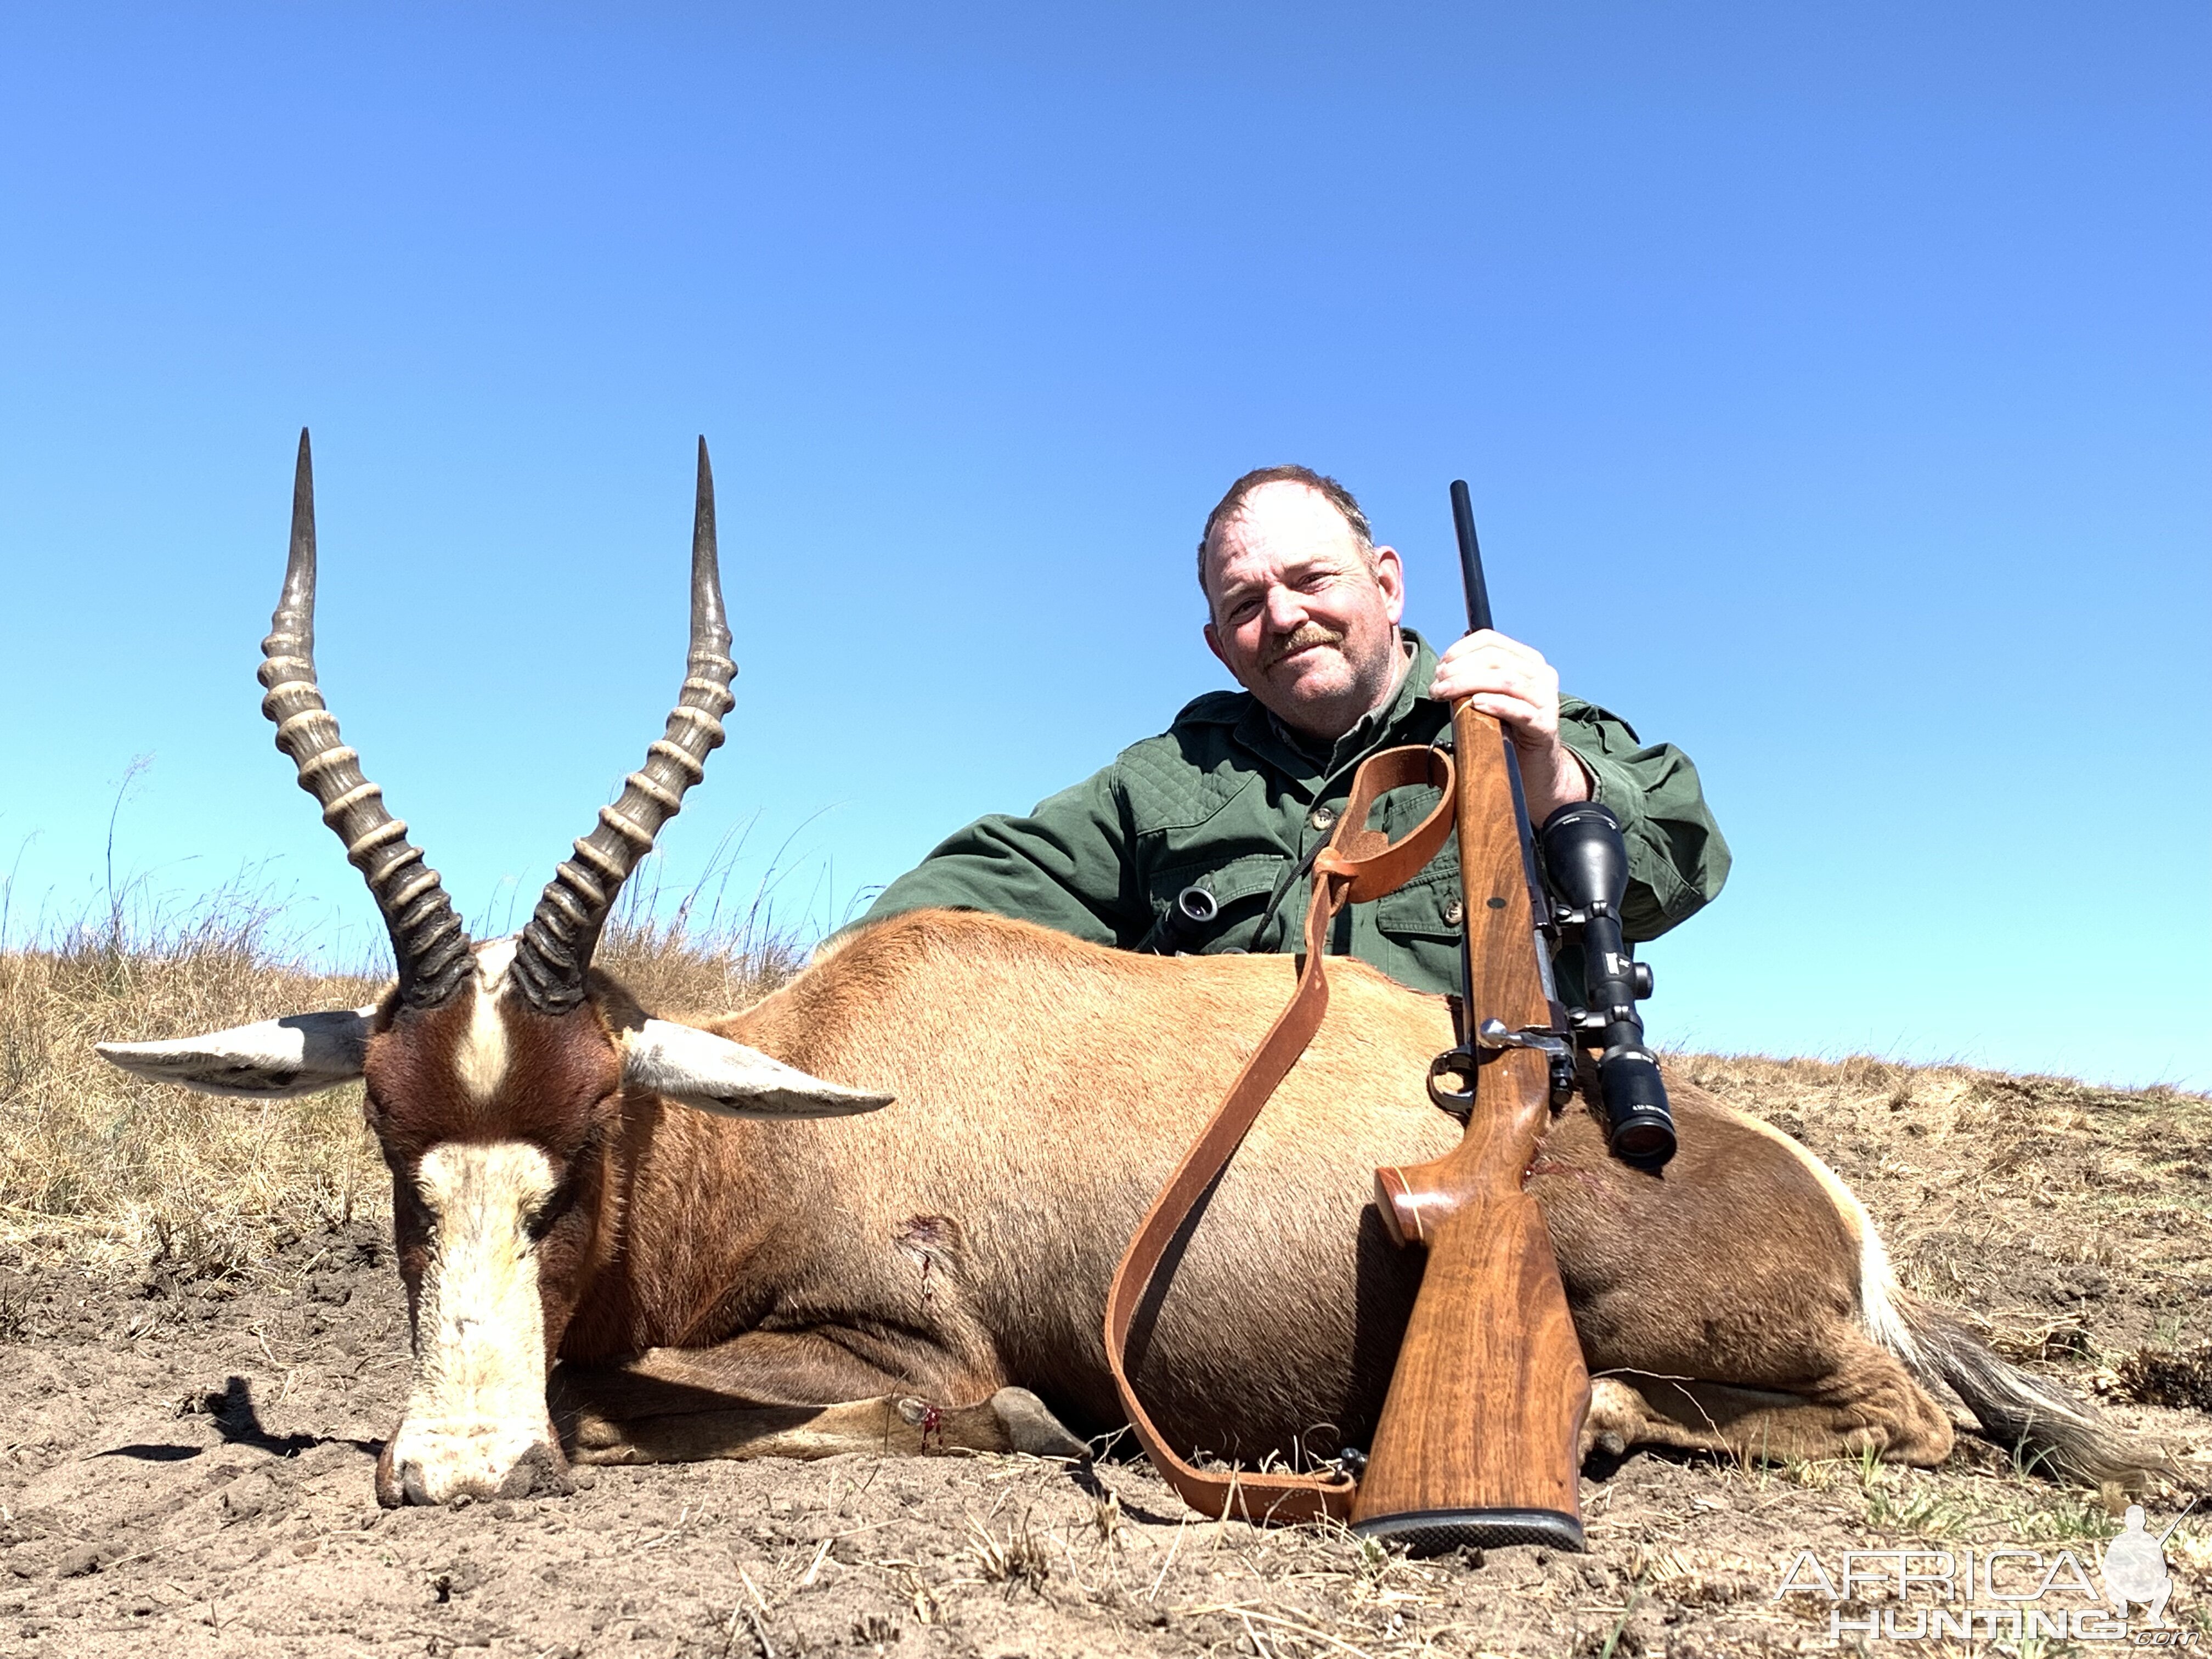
[[1418, 933], [1428, 907]]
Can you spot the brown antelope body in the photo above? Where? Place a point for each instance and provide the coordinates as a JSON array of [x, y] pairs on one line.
[[706, 1243]]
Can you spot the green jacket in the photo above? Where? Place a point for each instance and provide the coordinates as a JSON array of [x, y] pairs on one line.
[[1230, 799]]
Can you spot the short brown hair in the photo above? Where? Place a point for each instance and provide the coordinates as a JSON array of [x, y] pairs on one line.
[[1327, 487]]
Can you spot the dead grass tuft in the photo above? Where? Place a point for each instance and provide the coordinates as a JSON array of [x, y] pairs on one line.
[[2152, 1377], [711, 954], [1020, 1558], [679, 974]]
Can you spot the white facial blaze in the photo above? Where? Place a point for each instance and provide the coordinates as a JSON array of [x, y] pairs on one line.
[[477, 1405], [481, 1060]]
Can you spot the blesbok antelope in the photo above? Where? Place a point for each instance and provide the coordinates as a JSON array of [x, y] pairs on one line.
[[708, 1243]]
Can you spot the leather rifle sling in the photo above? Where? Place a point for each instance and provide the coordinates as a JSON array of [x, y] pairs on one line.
[[1358, 865]]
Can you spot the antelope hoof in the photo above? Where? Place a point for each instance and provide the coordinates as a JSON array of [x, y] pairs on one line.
[[1031, 1428]]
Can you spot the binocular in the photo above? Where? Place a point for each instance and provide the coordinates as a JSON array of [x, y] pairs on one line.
[[1183, 927], [1586, 866]]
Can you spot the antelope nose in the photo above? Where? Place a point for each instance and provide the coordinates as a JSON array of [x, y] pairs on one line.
[[436, 1463]]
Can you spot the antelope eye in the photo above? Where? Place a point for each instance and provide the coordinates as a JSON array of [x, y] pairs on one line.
[[539, 1222], [556, 1204]]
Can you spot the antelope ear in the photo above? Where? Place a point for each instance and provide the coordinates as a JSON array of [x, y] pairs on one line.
[[273, 1060], [729, 1080]]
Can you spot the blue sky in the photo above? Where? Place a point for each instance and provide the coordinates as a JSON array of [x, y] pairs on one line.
[[1835, 383]]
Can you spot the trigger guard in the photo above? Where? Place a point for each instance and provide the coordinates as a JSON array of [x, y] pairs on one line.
[[1460, 1102]]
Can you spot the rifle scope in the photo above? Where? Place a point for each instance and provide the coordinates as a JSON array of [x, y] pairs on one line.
[[1586, 866]]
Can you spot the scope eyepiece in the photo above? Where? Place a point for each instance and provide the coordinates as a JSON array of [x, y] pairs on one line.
[[1180, 929]]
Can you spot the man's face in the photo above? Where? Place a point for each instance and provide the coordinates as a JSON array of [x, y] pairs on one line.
[[1299, 618]]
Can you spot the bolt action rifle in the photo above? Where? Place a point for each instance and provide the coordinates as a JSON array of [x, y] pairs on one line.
[[1479, 1436], [1479, 1433]]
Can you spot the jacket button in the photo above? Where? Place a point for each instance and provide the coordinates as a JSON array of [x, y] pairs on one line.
[[1322, 817], [1455, 914]]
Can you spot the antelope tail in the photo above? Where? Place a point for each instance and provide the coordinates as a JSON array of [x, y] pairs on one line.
[[2047, 1428]]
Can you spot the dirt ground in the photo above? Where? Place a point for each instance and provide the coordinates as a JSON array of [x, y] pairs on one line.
[[185, 1453]]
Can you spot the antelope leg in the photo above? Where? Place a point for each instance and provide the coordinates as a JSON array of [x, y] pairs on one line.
[[772, 1395], [1891, 1422]]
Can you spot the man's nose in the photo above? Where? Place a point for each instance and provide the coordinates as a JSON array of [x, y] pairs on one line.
[[1286, 609]]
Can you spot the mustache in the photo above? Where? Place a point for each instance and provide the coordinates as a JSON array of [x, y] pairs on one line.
[[1303, 637]]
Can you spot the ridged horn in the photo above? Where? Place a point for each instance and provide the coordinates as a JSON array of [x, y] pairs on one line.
[[428, 943], [555, 948]]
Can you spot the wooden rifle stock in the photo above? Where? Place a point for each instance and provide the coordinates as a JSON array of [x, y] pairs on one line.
[[1479, 1436]]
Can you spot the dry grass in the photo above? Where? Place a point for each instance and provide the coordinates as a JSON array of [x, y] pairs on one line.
[[684, 974], [110, 1169], [103, 1165]]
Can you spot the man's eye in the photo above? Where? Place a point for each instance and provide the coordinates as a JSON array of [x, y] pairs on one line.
[[1243, 611]]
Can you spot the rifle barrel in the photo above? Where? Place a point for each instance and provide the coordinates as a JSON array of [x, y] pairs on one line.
[[1470, 558]]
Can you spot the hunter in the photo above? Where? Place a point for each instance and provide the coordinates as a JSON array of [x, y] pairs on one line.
[[1240, 792]]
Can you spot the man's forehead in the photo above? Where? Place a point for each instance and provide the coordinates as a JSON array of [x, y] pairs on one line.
[[1278, 523]]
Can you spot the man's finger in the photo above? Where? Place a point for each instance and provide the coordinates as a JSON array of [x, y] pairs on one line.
[[1489, 640], [1524, 716], [1488, 673], [1465, 679]]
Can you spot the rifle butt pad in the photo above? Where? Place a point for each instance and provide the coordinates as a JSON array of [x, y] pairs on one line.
[[1439, 1532]]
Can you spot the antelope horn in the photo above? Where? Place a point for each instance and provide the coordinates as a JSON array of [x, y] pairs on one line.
[[428, 940], [555, 948]]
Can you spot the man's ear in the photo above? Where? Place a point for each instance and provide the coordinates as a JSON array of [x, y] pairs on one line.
[[1390, 577], [729, 1080], [1213, 644], [272, 1060]]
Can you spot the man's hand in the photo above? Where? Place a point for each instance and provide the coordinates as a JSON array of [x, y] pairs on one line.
[[1512, 682]]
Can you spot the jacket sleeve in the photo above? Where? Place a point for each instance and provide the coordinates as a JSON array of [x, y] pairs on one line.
[[1677, 860], [1066, 866]]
